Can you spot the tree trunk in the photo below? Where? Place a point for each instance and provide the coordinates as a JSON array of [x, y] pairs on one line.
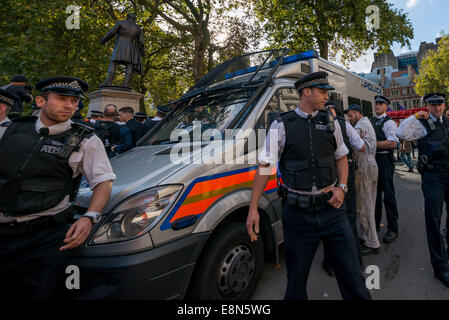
[[198, 58], [323, 46]]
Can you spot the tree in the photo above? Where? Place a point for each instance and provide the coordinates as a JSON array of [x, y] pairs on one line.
[[332, 26], [434, 73]]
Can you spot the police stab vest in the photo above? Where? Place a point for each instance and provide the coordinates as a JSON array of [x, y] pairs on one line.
[[378, 125], [435, 145], [35, 174], [308, 157]]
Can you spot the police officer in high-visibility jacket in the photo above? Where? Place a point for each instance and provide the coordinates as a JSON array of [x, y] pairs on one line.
[[431, 129], [41, 160], [314, 170]]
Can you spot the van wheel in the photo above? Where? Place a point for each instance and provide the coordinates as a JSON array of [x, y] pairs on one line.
[[229, 267]]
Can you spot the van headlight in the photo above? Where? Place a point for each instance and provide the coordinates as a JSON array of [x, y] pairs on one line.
[[136, 215]]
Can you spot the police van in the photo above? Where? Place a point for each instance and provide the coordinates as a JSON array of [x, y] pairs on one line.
[[174, 226]]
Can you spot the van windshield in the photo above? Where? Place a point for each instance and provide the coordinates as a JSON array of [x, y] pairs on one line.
[[209, 110]]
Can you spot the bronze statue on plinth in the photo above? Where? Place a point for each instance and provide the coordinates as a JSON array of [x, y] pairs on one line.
[[128, 50]]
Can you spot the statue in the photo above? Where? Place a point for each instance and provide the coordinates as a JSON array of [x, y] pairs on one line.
[[128, 50]]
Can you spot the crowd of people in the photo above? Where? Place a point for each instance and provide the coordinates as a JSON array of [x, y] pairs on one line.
[[118, 128]]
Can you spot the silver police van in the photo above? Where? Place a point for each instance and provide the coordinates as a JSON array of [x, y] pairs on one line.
[[174, 226]]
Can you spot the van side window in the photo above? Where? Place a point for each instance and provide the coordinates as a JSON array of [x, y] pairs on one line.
[[283, 100], [352, 100], [367, 107]]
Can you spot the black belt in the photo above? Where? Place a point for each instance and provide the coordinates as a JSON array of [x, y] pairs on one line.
[[305, 201], [32, 226]]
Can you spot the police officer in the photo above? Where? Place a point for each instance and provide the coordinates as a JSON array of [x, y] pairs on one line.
[[140, 117], [352, 141], [431, 129], [314, 170], [18, 88], [387, 141], [42, 158], [6, 104], [160, 114]]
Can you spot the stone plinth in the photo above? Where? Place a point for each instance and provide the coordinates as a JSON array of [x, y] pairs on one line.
[[101, 98]]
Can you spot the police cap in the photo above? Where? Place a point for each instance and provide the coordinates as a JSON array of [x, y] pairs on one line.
[[141, 115], [434, 98], [6, 98], [354, 107], [329, 105], [19, 78], [382, 99], [314, 80], [96, 113], [163, 109], [67, 86]]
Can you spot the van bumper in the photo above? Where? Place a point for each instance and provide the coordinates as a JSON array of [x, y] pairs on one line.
[[160, 273]]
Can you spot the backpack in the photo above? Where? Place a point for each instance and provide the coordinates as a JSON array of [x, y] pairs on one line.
[[103, 131]]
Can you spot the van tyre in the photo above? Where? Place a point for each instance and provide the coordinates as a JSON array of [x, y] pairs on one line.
[[230, 266]]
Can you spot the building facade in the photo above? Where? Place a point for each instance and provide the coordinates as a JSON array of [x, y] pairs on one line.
[[395, 74]]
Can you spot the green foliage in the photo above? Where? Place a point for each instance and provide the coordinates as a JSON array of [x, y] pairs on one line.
[[332, 26], [434, 72]]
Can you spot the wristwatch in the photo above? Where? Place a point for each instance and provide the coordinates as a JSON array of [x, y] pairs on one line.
[[93, 216], [344, 187]]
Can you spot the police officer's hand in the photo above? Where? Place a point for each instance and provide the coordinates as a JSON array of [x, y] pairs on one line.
[[77, 234], [422, 115], [252, 224], [338, 196]]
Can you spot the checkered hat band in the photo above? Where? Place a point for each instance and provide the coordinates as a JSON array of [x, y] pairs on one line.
[[313, 83], [6, 100], [435, 99], [65, 85], [381, 100]]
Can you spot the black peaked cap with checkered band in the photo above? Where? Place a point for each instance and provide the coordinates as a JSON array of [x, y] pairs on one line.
[[434, 98], [6, 98], [67, 86], [314, 80]]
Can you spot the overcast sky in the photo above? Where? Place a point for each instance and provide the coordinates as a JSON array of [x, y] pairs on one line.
[[428, 17]]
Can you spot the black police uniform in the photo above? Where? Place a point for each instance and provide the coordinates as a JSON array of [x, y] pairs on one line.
[[308, 163], [350, 198], [35, 176], [150, 123], [138, 130], [433, 164], [385, 186]]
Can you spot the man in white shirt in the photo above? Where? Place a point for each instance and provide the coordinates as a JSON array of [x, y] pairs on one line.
[[42, 160], [431, 130], [365, 180], [387, 141]]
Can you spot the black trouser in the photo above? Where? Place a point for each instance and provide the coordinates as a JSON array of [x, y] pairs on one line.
[[303, 231], [351, 212], [385, 189], [435, 187], [31, 265]]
